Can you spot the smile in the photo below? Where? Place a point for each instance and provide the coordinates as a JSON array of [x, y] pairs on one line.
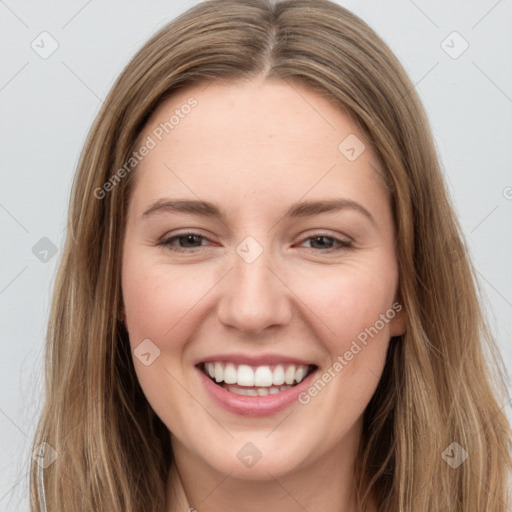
[[246, 380]]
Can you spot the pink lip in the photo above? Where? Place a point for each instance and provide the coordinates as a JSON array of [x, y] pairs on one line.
[[255, 406], [256, 360]]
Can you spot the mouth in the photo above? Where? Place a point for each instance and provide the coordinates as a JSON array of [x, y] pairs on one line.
[[255, 381]]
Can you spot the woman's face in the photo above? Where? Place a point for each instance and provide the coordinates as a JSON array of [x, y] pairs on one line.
[[259, 249]]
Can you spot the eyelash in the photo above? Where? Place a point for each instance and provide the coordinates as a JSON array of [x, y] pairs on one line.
[[342, 244]]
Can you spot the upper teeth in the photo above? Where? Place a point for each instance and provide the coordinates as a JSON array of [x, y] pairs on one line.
[[260, 376]]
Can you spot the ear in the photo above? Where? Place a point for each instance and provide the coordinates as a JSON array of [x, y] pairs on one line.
[[122, 315], [398, 324]]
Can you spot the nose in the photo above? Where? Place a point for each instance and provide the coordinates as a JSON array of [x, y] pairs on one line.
[[254, 296]]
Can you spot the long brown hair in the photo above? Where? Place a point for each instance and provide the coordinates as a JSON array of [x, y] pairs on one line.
[[437, 387]]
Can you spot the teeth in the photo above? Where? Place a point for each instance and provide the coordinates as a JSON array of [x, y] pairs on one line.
[[219, 372], [260, 376], [278, 375], [230, 374], [289, 375], [245, 375], [256, 391], [263, 376], [300, 374]]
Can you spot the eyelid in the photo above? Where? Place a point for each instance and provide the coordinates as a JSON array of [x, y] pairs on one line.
[[314, 233], [185, 232], [342, 242]]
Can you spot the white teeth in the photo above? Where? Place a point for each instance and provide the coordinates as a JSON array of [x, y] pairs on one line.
[[245, 375], [289, 375], [256, 391], [230, 374], [263, 376], [300, 374], [278, 375], [219, 373]]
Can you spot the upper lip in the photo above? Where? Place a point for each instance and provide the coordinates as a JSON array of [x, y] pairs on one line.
[[254, 360]]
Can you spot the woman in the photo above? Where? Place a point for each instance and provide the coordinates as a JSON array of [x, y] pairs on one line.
[[264, 301]]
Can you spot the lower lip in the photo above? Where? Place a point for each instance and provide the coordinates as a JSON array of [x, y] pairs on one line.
[[255, 406]]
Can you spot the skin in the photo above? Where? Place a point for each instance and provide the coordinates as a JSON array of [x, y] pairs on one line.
[[254, 149]]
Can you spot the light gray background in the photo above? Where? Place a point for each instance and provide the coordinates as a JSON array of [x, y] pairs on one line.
[[49, 104]]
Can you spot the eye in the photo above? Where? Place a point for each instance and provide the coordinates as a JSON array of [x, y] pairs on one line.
[[187, 242], [326, 243]]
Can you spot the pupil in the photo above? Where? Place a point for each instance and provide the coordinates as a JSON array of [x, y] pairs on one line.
[[324, 238], [190, 239]]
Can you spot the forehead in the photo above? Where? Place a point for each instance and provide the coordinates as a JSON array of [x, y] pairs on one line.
[[243, 140]]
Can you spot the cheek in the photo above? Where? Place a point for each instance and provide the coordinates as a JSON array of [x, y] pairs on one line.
[[348, 301], [356, 308], [157, 298], [157, 301]]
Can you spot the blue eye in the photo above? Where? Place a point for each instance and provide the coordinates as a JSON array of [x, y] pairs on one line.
[[190, 242]]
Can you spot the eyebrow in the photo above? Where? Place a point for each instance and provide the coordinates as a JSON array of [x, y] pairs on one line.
[[298, 210]]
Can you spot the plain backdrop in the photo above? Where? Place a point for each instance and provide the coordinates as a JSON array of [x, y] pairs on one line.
[[458, 55]]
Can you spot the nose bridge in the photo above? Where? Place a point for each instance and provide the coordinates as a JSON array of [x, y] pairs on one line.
[[253, 298]]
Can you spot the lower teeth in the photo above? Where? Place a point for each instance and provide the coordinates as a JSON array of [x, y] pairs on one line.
[[254, 391]]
